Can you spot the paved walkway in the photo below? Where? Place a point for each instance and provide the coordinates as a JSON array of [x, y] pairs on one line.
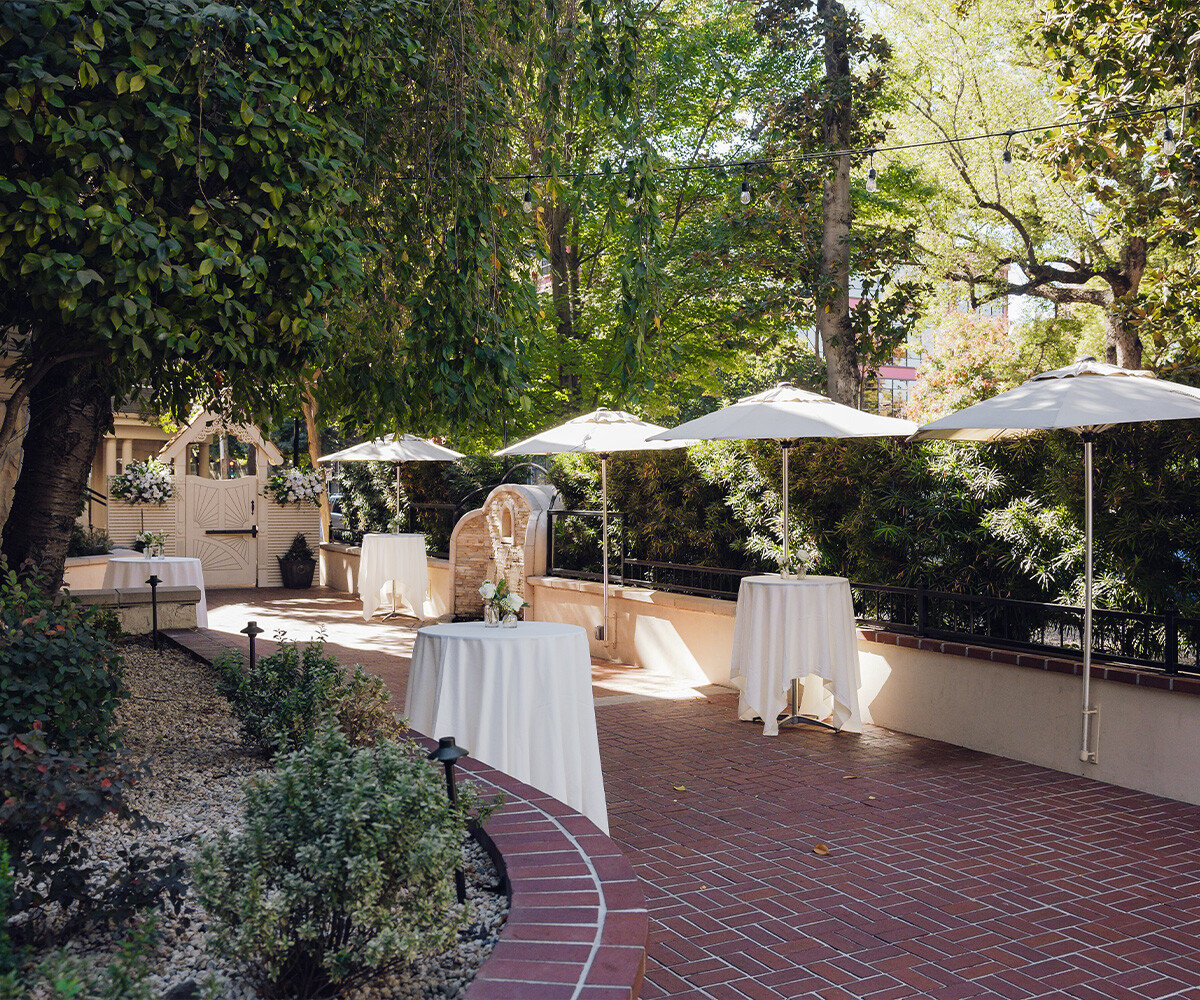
[[950, 874]]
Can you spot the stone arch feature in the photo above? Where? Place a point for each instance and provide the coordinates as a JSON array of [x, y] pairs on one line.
[[504, 539]]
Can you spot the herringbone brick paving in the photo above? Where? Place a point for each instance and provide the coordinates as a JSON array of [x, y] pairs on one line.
[[951, 874]]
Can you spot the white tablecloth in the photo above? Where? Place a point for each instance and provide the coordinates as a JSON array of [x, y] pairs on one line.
[[518, 699], [132, 572], [796, 628], [393, 561]]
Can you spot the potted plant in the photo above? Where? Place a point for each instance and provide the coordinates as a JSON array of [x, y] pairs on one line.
[[298, 564]]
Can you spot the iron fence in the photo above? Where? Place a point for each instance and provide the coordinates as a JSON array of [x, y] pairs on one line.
[[1168, 642]]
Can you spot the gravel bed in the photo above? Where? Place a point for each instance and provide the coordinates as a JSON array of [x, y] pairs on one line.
[[177, 721]]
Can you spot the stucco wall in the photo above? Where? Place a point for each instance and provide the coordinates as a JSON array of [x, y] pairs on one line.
[[339, 571], [1148, 739]]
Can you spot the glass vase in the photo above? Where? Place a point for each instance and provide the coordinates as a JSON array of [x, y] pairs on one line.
[[491, 616], [509, 620]]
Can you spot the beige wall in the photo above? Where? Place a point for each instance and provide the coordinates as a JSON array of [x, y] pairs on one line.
[[1148, 739], [339, 571]]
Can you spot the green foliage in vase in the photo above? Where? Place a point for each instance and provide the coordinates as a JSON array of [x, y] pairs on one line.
[[342, 869]]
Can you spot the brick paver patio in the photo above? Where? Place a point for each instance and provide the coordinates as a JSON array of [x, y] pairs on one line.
[[950, 874]]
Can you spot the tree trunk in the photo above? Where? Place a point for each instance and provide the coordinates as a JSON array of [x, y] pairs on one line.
[[1122, 346], [833, 296], [69, 411], [558, 217], [11, 454], [308, 402]]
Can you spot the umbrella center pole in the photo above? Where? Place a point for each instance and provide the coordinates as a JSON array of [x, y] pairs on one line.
[[1086, 754], [785, 569], [602, 628]]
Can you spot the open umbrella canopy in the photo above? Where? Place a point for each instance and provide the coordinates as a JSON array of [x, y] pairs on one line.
[[396, 448], [600, 432], [1085, 396], [785, 413]]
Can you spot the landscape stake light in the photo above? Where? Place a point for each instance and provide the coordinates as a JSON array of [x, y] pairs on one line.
[[252, 630], [154, 581], [449, 753]]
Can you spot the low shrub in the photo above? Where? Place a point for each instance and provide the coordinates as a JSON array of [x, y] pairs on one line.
[[8, 953], [288, 695], [342, 869], [57, 667], [88, 541]]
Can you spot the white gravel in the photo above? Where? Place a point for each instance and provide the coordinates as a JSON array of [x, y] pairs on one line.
[[176, 719]]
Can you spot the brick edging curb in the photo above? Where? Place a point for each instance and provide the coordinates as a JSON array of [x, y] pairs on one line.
[[1117, 673], [578, 927]]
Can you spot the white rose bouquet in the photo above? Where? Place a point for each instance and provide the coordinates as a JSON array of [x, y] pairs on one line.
[[499, 601], [153, 543], [143, 482], [293, 485]]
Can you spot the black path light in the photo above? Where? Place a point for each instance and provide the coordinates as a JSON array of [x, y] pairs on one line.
[[252, 630], [449, 753], [154, 581]]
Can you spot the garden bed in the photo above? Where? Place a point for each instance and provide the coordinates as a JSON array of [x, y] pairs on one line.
[[177, 721]]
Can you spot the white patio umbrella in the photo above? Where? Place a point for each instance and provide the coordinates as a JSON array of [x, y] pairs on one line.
[[785, 414], [600, 432], [1086, 397], [397, 448]]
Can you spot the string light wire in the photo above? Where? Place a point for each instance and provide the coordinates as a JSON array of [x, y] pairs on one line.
[[867, 150]]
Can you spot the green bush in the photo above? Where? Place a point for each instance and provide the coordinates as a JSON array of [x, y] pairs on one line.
[[288, 695], [46, 797], [57, 668], [342, 868], [8, 954], [88, 541]]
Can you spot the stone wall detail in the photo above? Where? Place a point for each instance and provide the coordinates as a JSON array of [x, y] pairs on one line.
[[505, 539]]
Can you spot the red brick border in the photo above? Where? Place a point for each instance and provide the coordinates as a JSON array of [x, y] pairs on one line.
[[1121, 674], [578, 928]]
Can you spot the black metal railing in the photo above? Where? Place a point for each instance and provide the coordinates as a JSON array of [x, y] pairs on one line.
[[1168, 642]]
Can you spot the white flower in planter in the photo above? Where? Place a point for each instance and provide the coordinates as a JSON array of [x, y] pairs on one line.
[[487, 590]]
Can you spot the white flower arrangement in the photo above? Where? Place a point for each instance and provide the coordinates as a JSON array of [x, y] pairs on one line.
[[153, 543], [143, 482], [498, 596], [293, 485]]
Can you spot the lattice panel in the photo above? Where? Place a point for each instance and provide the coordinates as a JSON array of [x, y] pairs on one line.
[[282, 524], [125, 522]]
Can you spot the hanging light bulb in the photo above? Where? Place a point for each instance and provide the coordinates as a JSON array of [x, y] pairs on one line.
[[630, 195], [527, 201], [1006, 161], [872, 186], [1168, 139], [744, 197]]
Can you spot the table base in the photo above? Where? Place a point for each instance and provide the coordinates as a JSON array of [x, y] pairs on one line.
[[792, 716]]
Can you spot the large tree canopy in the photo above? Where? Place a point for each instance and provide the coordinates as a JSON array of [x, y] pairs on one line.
[[194, 196]]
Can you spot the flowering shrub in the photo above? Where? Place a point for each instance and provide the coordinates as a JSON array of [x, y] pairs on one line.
[[296, 486], [342, 869], [143, 482], [58, 668]]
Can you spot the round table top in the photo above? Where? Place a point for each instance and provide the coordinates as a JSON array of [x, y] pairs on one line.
[[159, 560], [393, 534], [775, 580], [523, 631]]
